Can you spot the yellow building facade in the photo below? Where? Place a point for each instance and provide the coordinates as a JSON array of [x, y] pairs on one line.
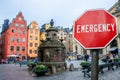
[[43, 34], [33, 39], [47, 26]]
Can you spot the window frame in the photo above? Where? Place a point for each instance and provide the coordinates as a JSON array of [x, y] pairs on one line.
[[23, 48], [36, 44], [17, 48], [11, 48], [12, 39], [18, 39], [23, 39], [13, 30], [30, 51], [31, 44]]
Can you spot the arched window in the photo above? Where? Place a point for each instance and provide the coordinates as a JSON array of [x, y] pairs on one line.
[[13, 30], [31, 44], [31, 37], [12, 39]]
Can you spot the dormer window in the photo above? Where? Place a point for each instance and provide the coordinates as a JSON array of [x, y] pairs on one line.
[[16, 25]]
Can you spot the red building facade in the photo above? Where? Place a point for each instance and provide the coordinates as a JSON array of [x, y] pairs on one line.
[[14, 38], [0, 48]]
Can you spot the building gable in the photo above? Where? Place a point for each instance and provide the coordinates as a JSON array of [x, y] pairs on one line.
[[19, 21]]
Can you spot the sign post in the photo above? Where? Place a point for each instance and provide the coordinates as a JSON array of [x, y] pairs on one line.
[[94, 65], [94, 30]]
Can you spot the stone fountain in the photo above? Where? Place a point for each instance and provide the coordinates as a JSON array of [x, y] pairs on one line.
[[51, 52]]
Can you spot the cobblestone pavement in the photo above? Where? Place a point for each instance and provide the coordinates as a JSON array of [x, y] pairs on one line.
[[15, 72]]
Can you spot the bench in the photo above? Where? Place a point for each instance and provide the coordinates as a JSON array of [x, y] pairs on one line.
[[86, 71], [117, 64], [101, 67]]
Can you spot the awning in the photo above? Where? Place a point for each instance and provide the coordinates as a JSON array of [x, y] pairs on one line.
[[112, 49], [13, 55]]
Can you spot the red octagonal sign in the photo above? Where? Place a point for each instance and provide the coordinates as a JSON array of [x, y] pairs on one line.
[[95, 29]]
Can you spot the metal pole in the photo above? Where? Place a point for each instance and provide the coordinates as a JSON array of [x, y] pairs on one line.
[[94, 66]]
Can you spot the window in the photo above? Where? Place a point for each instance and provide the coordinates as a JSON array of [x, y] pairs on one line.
[[37, 27], [35, 51], [21, 25], [12, 39], [16, 25], [76, 48], [61, 38], [23, 39], [18, 31], [13, 30], [31, 44], [54, 34], [30, 37], [31, 31], [24, 32], [23, 48], [36, 31], [30, 51], [36, 45], [12, 48], [17, 48], [36, 38], [18, 39], [19, 18]]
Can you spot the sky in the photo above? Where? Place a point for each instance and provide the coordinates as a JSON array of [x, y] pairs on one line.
[[63, 12]]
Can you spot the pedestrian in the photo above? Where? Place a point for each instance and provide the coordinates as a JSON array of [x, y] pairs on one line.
[[2, 61], [16, 60], [36, 60], [111, 60], [107, 58], [90, 59], [86, 57], [111, 57]]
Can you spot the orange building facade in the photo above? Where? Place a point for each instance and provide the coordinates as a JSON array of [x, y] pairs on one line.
[[33, 39], [14, 38]]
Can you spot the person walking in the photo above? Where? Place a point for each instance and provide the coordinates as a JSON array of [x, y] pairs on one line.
[[86, 57], [107, 58], [111, 60]]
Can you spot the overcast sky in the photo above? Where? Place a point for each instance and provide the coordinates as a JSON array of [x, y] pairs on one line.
[[63, 12]]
